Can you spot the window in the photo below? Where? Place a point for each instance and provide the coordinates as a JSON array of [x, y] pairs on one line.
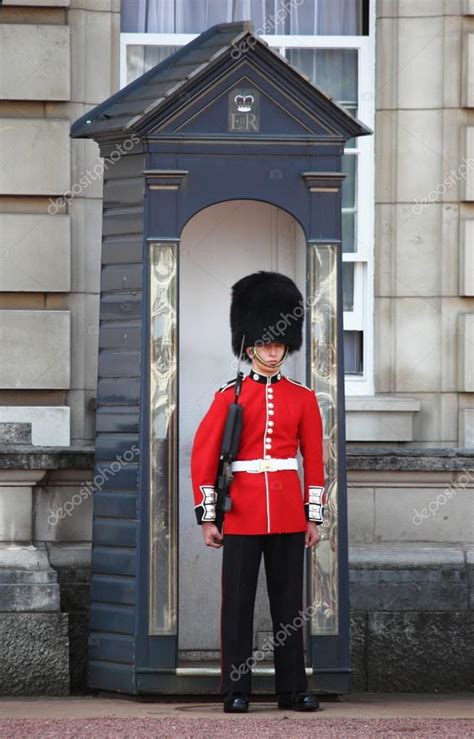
[[287, 17], [332, 41]]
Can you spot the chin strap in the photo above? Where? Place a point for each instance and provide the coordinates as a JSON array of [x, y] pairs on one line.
[[267, 364]]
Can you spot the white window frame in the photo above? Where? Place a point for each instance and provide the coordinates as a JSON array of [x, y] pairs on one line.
[[361, 318]]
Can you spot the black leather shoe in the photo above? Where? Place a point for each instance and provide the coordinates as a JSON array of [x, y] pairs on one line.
[[236, 702], [302, 701]]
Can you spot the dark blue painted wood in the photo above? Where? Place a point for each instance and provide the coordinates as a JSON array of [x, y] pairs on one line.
[[166, 145], [114, 532], [113, 589], [121, 250], [111, 504], [252, 179], [117, 420], [120, 335], [111, 676], [107, 477], [119, 363], [118, 390], [112, 617], [122, 222], [120, 306], [127, 167], [124, 448], [122, 277], [112, 647], [284, 117], [113, 560], [124, 191]]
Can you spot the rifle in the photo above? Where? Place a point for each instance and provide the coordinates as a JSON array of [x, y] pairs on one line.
[[229, 449]]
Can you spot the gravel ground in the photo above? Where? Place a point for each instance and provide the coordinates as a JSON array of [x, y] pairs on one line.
[[244, 726]]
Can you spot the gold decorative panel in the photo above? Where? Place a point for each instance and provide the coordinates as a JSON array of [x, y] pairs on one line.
[[163, 439], [323, 347]]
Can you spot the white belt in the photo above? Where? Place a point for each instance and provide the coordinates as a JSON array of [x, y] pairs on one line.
[[264, 465]]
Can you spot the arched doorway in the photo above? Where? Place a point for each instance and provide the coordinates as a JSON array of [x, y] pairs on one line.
[[219, 245]]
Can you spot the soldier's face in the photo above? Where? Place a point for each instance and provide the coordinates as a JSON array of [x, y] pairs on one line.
[[271, 353]]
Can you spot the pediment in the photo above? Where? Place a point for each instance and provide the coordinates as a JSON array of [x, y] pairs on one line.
[[247, 106]]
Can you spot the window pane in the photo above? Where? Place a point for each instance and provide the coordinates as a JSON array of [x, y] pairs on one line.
[[352, 110], [333, 70], [325, 17], [328, 18], [348, 286], [353, 357], [348, 232], [142, 58], [349, 166], [349, 210]]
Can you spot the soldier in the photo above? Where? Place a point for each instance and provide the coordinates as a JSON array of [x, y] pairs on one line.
[[269, 513]]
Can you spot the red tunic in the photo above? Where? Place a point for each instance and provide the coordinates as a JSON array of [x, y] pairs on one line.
[[277, 414]]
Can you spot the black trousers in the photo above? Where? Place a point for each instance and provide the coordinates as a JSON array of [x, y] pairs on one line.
[[284, 561]]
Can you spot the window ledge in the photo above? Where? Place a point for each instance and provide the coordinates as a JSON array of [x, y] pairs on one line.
[[380, 418]]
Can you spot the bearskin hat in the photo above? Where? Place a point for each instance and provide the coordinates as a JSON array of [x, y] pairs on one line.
[[266, 307]]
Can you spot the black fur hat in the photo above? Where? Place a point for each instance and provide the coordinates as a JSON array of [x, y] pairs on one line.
[[266, 307]]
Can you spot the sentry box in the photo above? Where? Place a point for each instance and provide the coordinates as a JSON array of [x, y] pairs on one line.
[[220, 160]]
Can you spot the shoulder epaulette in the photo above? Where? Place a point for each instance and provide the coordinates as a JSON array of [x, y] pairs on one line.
[[227, 384], [296, 382]]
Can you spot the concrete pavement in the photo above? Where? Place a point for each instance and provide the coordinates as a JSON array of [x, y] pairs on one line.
[[417, 715]]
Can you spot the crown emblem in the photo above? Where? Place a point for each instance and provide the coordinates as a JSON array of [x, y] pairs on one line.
[[244, 103]]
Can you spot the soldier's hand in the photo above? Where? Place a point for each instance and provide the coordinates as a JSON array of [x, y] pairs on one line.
[[311, 536], [212, 535]]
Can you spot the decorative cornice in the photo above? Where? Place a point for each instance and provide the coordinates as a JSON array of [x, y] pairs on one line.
[[29, 457], [323, 181], [164, 179], [396, 459]]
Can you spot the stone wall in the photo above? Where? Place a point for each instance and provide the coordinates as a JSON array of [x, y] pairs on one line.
[[411, 583], [411, 533], [412, 618], [57, 59], [424, 166], [45, 542]]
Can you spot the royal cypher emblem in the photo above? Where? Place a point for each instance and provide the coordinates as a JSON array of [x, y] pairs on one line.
[[244, 111]]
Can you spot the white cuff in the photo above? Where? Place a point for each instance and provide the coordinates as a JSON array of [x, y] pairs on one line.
[[209, 496], [315, 503]]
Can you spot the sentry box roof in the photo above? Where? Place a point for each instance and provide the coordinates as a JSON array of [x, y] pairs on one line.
[[170, 99]]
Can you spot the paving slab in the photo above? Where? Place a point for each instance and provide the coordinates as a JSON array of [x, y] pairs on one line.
[[356, 705], [360, 715]]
